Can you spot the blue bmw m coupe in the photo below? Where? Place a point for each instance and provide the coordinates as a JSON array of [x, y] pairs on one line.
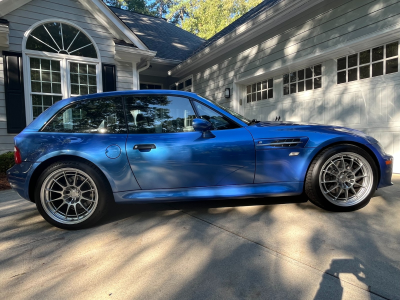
[[84, 153]]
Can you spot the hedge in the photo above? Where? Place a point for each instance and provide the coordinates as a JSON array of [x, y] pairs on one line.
[[6, 161]]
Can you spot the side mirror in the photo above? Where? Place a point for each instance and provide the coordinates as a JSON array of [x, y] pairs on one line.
[[203, 126]]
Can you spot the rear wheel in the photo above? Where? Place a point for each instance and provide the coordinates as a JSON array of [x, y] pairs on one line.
[[72, 195], [341, 178]]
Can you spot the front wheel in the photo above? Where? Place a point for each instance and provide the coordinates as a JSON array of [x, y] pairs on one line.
[[341, 178], [72, 195]]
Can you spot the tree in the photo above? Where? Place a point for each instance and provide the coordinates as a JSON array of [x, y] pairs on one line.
[[139, 6], [207, 17]]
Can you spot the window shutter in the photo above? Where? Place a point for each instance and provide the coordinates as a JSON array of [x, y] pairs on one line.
[[14, 92], [109, 78]]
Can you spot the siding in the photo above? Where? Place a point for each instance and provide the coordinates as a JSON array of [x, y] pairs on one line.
[[70, 10]]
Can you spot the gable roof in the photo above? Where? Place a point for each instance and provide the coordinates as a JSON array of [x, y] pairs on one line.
[[170, 41], [251, 14]]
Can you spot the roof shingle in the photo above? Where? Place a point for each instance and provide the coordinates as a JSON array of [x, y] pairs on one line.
[[170, 41]]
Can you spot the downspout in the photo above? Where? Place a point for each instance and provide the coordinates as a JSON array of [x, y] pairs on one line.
[[140, 70]]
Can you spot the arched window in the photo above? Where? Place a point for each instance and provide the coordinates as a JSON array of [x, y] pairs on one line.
[[60, 38], [62, 61]]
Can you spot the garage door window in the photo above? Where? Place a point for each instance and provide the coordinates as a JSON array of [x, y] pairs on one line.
[[302, 80], [369, 63], [260, 91]]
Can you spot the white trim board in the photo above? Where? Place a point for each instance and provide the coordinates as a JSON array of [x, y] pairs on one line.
[[99, 10], [364, 42]]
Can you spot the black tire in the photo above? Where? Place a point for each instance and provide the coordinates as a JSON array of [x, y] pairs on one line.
[[104, 194], [313, 187]]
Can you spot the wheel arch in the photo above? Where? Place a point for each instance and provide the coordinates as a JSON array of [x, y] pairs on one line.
[[44, 164], [354, 143]]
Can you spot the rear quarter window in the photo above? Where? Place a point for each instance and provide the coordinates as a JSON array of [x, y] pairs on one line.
[[102, 115]]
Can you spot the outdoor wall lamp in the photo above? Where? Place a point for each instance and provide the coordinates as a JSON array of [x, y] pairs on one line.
[[227, 93]]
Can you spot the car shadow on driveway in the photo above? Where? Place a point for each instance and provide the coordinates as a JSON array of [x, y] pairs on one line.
[[121, 211]]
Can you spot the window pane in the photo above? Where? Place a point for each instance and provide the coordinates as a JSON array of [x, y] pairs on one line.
[[46, 87], [365, 57], [36, 111], [377, 69], [309, 73], [35, 63], [364, 72], [293, 88], [352, 74], [300, 74], [286, 89], [264, 94], [317, 83], [36, 87], [258, 86], [258, 96], [270, 83], [317, 70], [55, 77], [392, 49], [253, 97], [249, 98], [248, 89], [159, 114], [254, 88], [37, 100], [90, 116], [45, 64], [35, 75], [47, 100], [55, 65], [45, 75], [293, 77], [392, 66], [300, 86], [218, 121], [56, 88], [81, 73], [285, 78], [341, 63], [352, 61], [341, 77], [377, 54], [188, 82], [270, 93], [180, 85], [309, 84], [264, 85]]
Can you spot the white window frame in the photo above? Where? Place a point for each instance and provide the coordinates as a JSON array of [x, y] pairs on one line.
[[302, 80], [185, 88], [370, 63], [64, 59], [256, 92]]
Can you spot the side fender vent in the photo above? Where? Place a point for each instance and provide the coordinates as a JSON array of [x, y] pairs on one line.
[[282, 143]]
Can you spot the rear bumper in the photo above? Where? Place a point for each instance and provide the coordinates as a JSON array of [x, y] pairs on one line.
[[18, 177]]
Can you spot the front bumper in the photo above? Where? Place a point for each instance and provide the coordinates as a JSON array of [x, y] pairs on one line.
[[385, 165], [18, 177]]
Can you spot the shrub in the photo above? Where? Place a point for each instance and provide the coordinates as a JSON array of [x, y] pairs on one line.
[[6, 161]]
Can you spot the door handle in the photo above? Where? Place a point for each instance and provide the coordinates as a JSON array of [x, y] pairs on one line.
[[144, 147]]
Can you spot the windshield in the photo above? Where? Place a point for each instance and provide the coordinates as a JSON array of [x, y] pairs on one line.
[[233, 113]]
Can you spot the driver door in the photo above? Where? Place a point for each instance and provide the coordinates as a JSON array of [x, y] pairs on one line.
[[164, 151]]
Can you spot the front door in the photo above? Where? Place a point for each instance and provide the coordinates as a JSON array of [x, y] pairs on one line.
[[165, 152]]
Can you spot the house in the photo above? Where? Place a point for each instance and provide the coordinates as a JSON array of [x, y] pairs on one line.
[[321, 61]]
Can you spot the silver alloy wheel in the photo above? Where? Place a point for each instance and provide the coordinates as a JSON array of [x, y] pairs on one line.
[[69, 196], [346, 179]]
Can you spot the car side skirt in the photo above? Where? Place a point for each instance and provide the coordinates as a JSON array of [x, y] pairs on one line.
[[214, 192]]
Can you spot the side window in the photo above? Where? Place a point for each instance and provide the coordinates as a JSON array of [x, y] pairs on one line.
[[159, 114], [219, 121], [104, 115]]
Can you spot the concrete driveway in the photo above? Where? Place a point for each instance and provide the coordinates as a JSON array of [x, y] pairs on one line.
[[247, 249]]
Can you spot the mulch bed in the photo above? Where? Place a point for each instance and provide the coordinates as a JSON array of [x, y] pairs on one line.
[[4, 185]]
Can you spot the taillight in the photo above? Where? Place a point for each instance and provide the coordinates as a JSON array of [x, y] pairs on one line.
[[17, 155]]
